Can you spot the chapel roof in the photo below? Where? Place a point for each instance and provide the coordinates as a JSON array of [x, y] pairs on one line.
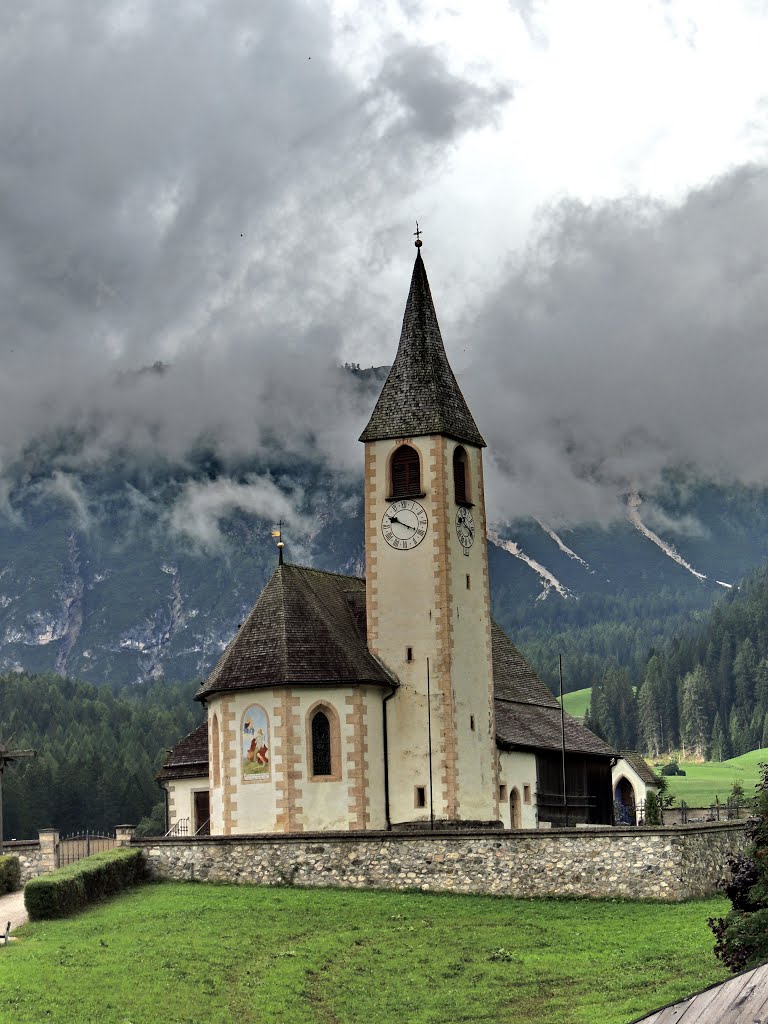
[[189, 758], [421, 396], [307, 627], [641, 766], [527, 714]]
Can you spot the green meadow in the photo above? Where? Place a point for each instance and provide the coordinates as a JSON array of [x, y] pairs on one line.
[[703, 782], [577, 701], [211, 954]]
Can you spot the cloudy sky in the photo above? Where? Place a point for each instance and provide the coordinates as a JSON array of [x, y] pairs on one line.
[[231, 188]]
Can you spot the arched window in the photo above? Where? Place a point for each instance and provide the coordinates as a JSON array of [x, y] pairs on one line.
[[515, 811], [215, 751], [460, 475], [406, 472], [323, 743]]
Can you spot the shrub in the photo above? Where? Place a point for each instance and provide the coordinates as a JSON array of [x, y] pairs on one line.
[[69, 889], [673, 768], [652, 809], [10, 873], [742, 935]]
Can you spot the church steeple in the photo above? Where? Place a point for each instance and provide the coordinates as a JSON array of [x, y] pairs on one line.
[[421, 395]]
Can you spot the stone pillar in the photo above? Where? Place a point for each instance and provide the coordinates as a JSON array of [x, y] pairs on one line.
[[124, 834], [49, 856]]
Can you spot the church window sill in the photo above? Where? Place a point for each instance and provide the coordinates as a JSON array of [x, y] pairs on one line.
[[465, 504], [406, 497]]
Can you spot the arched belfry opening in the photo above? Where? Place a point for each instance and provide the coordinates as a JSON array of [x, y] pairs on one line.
[[405, 470], [515, 810], [461, 475]]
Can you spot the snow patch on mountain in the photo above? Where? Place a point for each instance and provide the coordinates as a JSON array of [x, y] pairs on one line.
[[563, 546], [634, 501], [549, 581]]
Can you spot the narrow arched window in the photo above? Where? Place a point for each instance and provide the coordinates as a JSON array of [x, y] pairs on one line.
[[215, 751], [460, 475], [406, 472], [321, 744]]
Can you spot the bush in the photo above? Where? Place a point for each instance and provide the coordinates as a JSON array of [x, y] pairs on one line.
[[652, 809], [673, 768], [10, 873], [69, 889], [742, 935]]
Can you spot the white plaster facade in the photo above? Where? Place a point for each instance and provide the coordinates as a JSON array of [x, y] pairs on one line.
[[624, 770], [432, 603], [287, 796], [181, 801], [517, 775]]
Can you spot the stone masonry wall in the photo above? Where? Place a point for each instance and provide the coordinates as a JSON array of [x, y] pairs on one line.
[[634, 863], [30, 857]]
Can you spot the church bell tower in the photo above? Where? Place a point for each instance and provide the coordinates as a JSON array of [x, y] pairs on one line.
[[427, 595]]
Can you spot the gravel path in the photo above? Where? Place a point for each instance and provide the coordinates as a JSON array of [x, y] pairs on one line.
[[12, 909]]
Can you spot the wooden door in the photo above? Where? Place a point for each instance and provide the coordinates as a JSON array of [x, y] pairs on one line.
[[202, 813]]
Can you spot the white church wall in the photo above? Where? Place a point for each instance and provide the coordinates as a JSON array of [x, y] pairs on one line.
[[623, 769], [471, 669], [181, 800], [266, 781], [517, 770], [416, 599]]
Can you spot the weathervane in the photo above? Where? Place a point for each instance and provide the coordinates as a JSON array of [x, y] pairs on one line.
[[418, 243], [280, 545], [7, 757]]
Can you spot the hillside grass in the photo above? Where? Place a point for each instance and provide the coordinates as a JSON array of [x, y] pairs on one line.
[[213, 954], [703, 782], [577, 702]]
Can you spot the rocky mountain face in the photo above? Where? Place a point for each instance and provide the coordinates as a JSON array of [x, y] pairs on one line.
[[131, 572]]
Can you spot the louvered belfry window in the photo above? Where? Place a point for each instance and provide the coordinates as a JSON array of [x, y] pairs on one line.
[[321, 744], [406, 472], [460, 474]]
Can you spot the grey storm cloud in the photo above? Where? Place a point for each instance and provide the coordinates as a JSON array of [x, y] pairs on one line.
[[179, 184], [630, 338]]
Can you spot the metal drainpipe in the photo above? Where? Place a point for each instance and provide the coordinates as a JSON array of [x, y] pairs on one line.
[[386, 759]]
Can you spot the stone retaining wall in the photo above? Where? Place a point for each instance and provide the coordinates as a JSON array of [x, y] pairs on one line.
[[30, 856], [669, 864]]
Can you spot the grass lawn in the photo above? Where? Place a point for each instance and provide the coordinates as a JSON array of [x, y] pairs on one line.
[[204, 954], [702, 782], [577, 701]]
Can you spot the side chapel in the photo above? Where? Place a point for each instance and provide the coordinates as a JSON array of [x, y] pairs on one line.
[[393, 701]]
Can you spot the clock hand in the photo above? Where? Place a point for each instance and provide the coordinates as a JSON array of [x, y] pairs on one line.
[[394, 519]]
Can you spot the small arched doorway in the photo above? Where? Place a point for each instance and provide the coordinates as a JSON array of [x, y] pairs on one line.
[[515, 810], [624, 799]]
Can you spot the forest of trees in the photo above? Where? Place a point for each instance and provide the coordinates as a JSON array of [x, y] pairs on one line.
[[97, 751], [704, 693]]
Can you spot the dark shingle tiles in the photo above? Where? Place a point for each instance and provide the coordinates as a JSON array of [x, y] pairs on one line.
[[527, 713], [641, 766], [306, 628], [420, 395], [189, 758]]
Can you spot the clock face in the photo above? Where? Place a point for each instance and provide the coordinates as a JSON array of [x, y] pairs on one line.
[[404, 524], [465, 528]]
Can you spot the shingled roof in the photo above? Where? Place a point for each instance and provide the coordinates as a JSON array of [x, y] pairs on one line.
[[189, 758], [420, 395], [527, 714], [641, 766], [308, 627]]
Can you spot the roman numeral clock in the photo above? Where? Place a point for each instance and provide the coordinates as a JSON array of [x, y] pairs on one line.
[[404, 524]]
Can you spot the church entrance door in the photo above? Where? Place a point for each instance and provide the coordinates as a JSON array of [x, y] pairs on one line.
[[202, 813], [515, 811]]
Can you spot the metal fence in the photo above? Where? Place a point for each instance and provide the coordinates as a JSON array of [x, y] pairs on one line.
[[729, 810], [74, 847]]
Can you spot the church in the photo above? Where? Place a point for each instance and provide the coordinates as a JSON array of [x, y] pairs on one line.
[[394, 701]]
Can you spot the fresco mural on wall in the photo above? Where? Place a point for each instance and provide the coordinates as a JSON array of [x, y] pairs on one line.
[[256, 751]]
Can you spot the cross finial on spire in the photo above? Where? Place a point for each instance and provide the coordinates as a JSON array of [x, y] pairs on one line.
[[418, 243], [280, 545]]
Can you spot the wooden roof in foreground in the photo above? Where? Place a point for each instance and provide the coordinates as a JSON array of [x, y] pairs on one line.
[[742, 999]]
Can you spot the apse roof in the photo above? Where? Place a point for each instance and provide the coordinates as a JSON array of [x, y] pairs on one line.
[[189, 758], [307, 627], [421, 396]]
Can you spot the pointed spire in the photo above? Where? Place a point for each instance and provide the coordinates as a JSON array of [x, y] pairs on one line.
[[420, 396]]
